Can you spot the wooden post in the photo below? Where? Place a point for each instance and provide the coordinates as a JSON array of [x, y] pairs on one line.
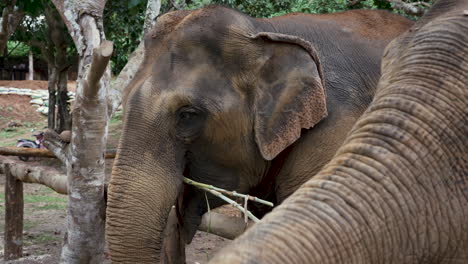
[[13, 216]]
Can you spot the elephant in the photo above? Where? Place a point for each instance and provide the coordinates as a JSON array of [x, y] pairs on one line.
[[252, 105], [397, 189]]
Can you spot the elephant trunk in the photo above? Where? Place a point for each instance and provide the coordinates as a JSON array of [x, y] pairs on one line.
[[141, 194]]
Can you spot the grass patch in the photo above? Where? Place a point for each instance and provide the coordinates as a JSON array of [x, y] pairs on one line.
[[40, 198], [9, 135], [57, 206], [27, 225], [45, 238], [46, 202], [11, 132], [44, 199], [41, 238]]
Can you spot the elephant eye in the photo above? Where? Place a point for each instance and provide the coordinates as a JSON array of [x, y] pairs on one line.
[[189, 123], [188, 115], [185, 115]]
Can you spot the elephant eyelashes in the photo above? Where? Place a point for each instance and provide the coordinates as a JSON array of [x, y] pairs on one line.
[[189, 123], [186, 115]]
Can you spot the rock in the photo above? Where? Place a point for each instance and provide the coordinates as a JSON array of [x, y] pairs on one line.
[[13, 123]]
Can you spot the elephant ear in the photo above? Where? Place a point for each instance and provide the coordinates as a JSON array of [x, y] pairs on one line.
[[290, 94]]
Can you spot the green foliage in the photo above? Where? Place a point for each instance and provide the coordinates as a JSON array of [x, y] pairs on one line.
[[34, 28], [17, 49], [123, 24], [270, 8]]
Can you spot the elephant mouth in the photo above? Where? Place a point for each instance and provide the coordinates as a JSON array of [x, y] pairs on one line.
[[187, 227]]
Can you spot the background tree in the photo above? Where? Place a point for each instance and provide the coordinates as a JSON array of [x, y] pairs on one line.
[[95, 103], [123, 23], [270, 8], [44, 30], [123, 20], [12, 15]]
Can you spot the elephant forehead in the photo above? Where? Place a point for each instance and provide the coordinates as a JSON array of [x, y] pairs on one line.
[[200, 86]]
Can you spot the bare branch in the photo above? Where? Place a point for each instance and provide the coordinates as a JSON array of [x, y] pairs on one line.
[[124, 78], [413, 8], [101, 57], [47, 54], [44, 153], [217, 192], [134, 60], [231, 193], [26, 152], [29, 174], [55, 144], [409, 8]]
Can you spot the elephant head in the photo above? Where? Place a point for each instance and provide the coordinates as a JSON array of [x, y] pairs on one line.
[[397, 190], [213, 97]]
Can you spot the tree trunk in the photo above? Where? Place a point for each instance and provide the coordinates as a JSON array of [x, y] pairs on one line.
[[30, 66], [93, 107], [84, 242], [9, 20], [52, 96], [63, 113]]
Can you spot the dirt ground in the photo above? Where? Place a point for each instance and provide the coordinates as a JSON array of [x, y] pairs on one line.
[[45, 210], [34, 85]]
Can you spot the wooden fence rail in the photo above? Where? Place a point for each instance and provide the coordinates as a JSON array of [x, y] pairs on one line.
[[17, 173], [44, 153]]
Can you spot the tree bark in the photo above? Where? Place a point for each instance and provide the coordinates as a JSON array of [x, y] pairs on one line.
[[13, 216], [51, 84], [31, 174], [57, 58], [30, 66], [93, 107], [84, 242], [63, 113], [152, 12]]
